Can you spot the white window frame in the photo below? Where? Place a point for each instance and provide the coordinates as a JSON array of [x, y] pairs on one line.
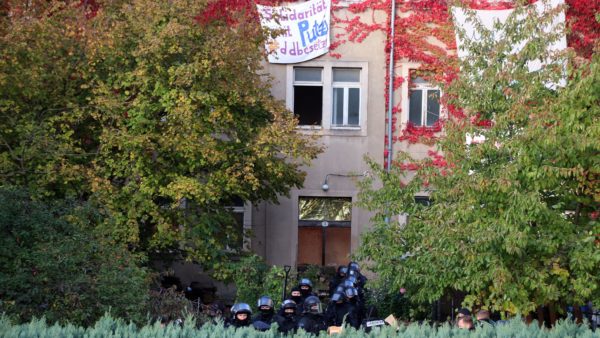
[[405, 71], [425, 87], [346, 87], [246, 210], [326, 127]]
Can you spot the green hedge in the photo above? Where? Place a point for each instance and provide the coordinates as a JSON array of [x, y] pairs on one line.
[[110, 327]]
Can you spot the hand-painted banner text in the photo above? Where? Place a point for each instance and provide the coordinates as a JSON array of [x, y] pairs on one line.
[[305, 30]]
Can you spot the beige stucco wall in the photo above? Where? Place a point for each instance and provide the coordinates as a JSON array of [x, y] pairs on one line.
[[275, 226]]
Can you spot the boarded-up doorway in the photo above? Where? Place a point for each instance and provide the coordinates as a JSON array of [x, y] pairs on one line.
[[324, 245]]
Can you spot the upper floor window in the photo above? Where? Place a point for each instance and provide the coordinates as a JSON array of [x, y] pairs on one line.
[[331, 96], [424, 103], [346, 97], [308, 95]]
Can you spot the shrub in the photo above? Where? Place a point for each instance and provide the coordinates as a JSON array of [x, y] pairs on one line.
[[61, 269], [108, 326], [253, 278]]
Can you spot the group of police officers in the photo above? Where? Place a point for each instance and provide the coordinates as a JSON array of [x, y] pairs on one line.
[[303, 308]]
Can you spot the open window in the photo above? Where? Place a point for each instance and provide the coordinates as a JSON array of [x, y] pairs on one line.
[[308, 95], [329, 96]]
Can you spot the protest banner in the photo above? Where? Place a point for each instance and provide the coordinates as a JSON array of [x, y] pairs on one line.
[[304, 27]]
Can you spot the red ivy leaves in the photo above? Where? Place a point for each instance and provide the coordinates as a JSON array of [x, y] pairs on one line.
[[476, 120], [228, 12], [91, 8], [585, 30]]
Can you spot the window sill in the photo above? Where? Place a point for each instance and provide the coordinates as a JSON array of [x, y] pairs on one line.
[[309, 127], [333, 131], [345, 128], [347, 3]]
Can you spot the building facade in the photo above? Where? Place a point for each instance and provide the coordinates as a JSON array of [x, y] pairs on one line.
[[342, 101]]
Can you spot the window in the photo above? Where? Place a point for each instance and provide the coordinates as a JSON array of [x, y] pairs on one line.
[[329, 96], [237, 234], [403, 218], [424, 103], [337, 211], [346, 97], [308, 95], [423, 200]]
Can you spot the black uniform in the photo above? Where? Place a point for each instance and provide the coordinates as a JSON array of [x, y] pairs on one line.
[[339, 277], [287, 322], [312, 322], [339, 313], [307, 291], [265, 317], [265, 310], [355, 303]]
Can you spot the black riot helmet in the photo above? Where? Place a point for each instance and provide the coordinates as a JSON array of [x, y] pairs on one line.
[[288, 304], [241, 308], [265, 301], [354, 266], [342, 271], [353, 279], [337, 297], [349, 283], [312, 304], [305, 286], [305, 281], [351, 292]]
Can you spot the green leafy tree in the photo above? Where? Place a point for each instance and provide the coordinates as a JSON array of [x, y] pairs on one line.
[[53, 265], [513, 222], [159, 117], [45, 136]]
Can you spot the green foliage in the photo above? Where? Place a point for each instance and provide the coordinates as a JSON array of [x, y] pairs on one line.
[[169, 305], [108, 326], [62, 270], [161, 120], [391, 301], [254, 278], [514, 219]]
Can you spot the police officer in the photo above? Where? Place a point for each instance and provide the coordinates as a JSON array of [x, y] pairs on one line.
[[306, 288], [354, 270], [241, 313], [296, 296], [286, 318], [339, 277], [265, 310], [354, 304], [340, 312], [312, 320]]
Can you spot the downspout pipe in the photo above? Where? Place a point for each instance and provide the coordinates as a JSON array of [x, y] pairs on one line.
[[391, 86], [390, 92]]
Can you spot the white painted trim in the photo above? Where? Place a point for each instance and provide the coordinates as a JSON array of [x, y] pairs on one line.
[[327, 77], [404, 97]]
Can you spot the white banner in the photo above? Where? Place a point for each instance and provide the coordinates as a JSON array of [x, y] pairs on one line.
[[305, 30], [489, 17]]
